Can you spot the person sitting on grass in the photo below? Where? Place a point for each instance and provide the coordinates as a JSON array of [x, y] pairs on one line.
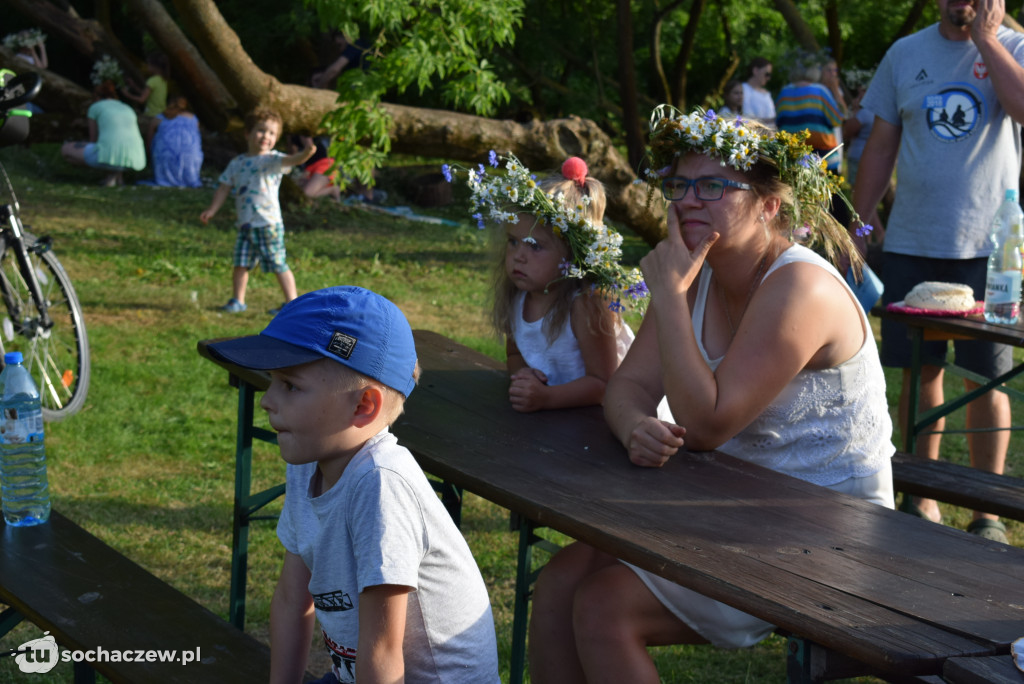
[[256, 178], [316, 180], [369, 548], [115, 143], [175, 146]]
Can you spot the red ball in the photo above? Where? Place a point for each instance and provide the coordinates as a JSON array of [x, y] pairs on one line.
[[575, 169]]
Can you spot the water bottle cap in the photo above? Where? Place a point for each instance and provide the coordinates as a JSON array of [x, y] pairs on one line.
[[13, 357], [1011, 195]]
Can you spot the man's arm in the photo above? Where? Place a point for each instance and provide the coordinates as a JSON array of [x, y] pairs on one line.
[[875, 171], [291, 622], [1006, 73], [382, 614]]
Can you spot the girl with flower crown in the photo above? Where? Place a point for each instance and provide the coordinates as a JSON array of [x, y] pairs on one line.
[[762, 352], [562, 340]]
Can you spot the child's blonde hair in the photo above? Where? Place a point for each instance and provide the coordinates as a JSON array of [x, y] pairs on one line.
[[574, 185], [394, 401]]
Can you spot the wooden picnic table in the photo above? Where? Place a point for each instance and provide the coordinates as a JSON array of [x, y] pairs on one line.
[[893, 592], [922, 329]]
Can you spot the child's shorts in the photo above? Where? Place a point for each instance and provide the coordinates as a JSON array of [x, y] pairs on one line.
[[262, 244]]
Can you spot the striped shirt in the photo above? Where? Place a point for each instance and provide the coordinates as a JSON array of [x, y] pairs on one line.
[[810, 107]]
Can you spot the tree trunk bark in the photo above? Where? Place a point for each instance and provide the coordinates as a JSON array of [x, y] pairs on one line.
[[84, 35], [627, 84], [801, 31], [431, 132], [211, 101], [425, 132], [540, 145], [679, 69], [58, 95]]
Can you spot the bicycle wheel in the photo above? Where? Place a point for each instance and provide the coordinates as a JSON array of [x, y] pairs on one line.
[[58, 356]]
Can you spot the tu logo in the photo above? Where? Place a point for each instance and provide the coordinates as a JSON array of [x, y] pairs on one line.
[[36, 656]]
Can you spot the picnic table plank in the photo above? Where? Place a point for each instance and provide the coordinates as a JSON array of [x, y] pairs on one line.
[[865, 577], [989, 670], [88, 595], [959, 485]]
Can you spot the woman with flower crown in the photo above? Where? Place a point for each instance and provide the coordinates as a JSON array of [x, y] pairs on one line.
[[762, 352]]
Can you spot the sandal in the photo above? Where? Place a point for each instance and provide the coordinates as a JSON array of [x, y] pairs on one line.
[[987, 528], [907, 505]]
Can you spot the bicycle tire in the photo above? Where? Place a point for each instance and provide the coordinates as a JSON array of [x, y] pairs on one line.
[[57, 358]]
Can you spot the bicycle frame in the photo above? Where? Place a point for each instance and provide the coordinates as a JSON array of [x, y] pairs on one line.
[[15, 233]]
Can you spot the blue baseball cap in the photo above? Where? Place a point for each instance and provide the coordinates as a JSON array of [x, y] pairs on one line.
[[351, 325]]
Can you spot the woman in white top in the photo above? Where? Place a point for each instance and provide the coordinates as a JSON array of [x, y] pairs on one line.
[[762, 352], [757, 101]]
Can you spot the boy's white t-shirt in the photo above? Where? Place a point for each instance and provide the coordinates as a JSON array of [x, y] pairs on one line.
[[382, 523], [256, 180]]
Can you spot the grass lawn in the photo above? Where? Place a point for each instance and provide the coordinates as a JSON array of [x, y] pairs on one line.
[[147, 465]]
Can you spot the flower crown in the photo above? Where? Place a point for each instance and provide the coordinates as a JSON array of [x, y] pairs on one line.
[[594, 249], [25, 38], [856, 79], [106, 68], [741, 145]]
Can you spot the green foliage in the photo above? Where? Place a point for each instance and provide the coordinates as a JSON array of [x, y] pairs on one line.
[[412, 45]]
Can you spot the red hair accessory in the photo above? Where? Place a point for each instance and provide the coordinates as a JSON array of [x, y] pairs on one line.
[[575, 169]]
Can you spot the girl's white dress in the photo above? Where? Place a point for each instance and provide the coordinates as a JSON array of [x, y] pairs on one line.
[[560, 360]]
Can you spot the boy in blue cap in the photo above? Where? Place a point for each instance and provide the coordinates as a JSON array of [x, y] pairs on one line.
[[369, 547]]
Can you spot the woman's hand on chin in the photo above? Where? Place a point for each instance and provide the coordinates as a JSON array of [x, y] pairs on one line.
[[653, 441], [671, 267]]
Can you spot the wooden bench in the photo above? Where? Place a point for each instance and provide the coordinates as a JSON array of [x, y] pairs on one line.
[[92, 600], [988, 670], [959, 485]]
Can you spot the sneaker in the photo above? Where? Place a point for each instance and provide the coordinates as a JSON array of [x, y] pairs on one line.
[[276, 310], [233, 306]]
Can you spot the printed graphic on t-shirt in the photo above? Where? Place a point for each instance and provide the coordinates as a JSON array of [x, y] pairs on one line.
[[343, 659], [955, 112], [332, 601]]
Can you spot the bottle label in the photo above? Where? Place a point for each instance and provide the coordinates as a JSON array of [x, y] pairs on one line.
[[1002, 287], [21, 429]]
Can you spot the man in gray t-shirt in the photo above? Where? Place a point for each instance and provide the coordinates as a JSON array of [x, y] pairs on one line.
[[949, 101]]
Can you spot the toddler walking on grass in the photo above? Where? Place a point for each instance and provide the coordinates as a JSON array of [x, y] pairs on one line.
[[256, 179]]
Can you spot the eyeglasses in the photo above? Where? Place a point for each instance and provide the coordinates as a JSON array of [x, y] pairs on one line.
[[707, 188]]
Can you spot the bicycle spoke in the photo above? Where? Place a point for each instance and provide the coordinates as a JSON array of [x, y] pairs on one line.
[[56, 350]]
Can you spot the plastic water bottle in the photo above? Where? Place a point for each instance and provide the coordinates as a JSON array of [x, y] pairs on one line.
[[24, 491], [1002, 285]]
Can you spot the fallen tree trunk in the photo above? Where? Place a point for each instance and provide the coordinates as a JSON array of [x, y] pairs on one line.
[[58, 95], [428, 132], [540, 145]]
